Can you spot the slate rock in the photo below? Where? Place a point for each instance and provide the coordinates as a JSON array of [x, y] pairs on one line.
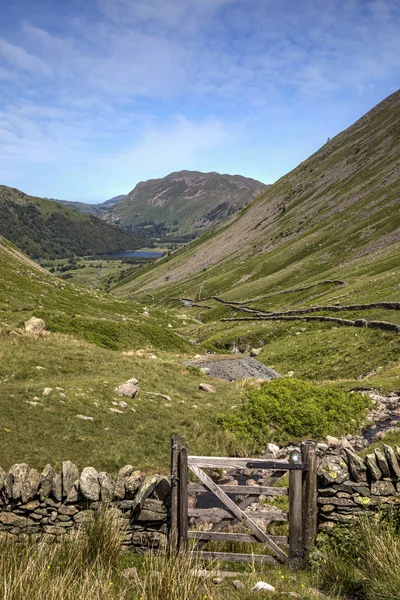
[[153, 510], [392, 460], [357, 467], [107, 487], [89, 483], [332, 469], [132, 484], [70, 473], [144, 492], [15, 479], [383, 488], [56, 487], [30, 486], [382, 462], [46, 479], [373, 469], [73, 495]]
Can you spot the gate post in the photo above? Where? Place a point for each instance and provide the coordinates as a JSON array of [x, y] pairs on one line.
[[183, 498], [173, 526], [295, 519], [309, 456]]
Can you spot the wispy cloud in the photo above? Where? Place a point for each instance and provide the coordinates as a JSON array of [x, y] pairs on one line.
[[151, 85]]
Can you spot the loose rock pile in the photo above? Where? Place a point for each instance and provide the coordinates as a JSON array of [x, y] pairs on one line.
[[59, 504]]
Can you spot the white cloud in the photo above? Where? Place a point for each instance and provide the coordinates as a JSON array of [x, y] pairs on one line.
[[19, 58]]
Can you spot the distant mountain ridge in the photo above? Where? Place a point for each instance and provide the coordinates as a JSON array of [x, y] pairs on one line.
[[186, 202], [43, 228], [91, 209]]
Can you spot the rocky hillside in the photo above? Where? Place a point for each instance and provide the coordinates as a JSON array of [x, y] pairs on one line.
[[184, 202], [334, 216], [46, 229]]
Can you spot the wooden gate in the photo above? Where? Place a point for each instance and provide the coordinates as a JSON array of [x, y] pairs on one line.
[[302, 514]]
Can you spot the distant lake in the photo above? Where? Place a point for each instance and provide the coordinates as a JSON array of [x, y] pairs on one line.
[[137, 254]]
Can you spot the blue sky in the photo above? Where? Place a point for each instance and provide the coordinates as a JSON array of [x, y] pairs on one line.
[[96, 95]]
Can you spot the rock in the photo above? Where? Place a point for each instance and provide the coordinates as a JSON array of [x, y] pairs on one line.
[[89, 483], [237, 584], [115, 411], [332, 441], [204, 370], [35, 326], [47, 391], [131, 573], [46, 479], [382, 488], [373, 468], [382, 462], [357, 467], [84, 418], [261, 586], [153, 510], [132, 484], [217, 580], [123, 474], [144, 492], [123, 404], [85, 516], [333, 469], [130, 388], [9, 518], [145, 313], [30, 486], [15, 479], [392, 460], [2, 478], [273, 449], [69, 511], [70, 473], [255, 351], [73, 495], [207, 387], [56, 487], [107, 487]]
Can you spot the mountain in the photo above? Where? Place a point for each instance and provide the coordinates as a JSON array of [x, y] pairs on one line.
[[91, 209], [46, 229], [184, 202], [333, 216]]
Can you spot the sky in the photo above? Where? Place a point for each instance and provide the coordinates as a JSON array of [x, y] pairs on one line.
[[96, 95]]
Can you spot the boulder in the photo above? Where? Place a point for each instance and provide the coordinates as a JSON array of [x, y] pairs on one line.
[[382, 462], [383, 488], [357, 466], [333, 469], [332, 441], [46, 479], [207, 387], [89, 483], [107, 487], [144, 492], [373, 469], [273, 449], [35, 326], [130, 388], [123, 473], [70, 473], [132, 484], [261, 586], [47, 391]]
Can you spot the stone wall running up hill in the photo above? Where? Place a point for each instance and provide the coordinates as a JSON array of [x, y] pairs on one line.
[[58, 504]]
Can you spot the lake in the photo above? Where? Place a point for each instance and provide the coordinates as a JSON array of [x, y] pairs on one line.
[[147, 254]]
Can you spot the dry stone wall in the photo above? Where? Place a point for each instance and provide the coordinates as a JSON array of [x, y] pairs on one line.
[[349, 486], [57, 504]]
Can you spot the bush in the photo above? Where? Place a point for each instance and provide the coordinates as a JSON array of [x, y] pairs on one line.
[[285, 410]]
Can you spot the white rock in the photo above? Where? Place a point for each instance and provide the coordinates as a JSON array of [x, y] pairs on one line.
[[129, 388], [145, 313], [255, 351], [84, 418], [262, 586], [207, 387], [169, 326], [47, 391], [273, 448], [123, 404], [35, 325]]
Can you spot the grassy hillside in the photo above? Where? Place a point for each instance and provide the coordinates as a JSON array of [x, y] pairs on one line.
[[92, 209], [326, 233], [46, 229], [186, 201]]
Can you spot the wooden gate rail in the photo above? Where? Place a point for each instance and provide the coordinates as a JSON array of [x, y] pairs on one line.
[[302, 505]]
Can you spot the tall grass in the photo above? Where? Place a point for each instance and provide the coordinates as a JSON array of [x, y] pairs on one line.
[[364, 566]]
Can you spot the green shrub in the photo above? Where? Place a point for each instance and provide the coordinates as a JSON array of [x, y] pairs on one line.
[[288, 409]]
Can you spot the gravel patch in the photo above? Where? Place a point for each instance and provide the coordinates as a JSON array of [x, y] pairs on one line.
[[234, 369]]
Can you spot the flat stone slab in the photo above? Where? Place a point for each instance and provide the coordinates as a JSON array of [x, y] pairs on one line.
[[234, 369]]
